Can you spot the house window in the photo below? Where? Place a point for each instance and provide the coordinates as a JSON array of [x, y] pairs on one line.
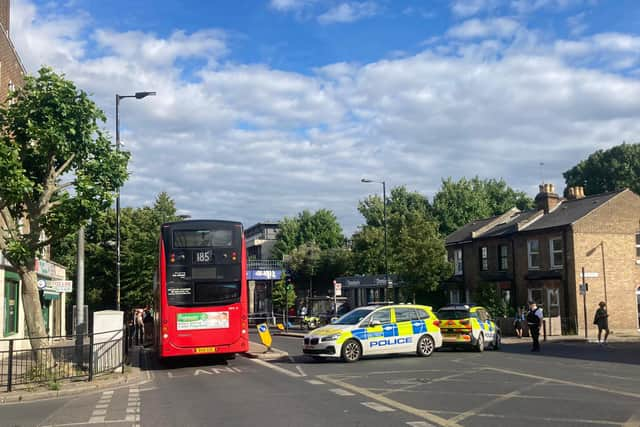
[[484, 258], [457, 261], [533, 250], [454, 296], [638, 248], [555, 252], [11, 306], [503, 255]]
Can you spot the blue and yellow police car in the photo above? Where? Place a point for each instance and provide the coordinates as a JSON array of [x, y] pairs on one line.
[[372, 330], [465, 325]]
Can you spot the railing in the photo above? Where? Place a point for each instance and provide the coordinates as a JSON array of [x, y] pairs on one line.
[[264, 264], [81, 357]]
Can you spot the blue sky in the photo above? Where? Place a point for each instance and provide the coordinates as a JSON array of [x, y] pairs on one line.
[[282, 105]]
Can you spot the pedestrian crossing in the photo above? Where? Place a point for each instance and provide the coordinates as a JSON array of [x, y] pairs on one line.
[[119, 407]]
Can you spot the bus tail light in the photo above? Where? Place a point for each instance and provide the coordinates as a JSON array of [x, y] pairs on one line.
[[172, 258], [165, 336], [234, 256]]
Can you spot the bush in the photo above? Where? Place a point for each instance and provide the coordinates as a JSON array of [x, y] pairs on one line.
[[488, 296]]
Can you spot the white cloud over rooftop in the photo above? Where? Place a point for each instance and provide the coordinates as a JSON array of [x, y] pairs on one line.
[[250, 141]]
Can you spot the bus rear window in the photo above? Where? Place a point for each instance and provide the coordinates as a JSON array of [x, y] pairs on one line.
[[216, 293], [453, 314], [202, 238]]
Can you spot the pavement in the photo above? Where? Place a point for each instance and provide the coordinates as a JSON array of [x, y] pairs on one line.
[[133, 374]]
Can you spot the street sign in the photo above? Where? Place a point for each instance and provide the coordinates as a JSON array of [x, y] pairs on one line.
[[337, 288], [590, 275], [265, 335], [584, 287], [42, 284], [61, 285]]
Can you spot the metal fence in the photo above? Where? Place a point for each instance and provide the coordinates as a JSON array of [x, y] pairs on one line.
[[61, 358]]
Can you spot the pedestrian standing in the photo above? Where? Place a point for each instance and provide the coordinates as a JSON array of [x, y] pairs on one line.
[[534, 321], [602, 320], [518, 322], [139, 321]]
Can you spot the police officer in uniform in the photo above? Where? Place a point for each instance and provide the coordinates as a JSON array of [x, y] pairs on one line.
[[534, 320]]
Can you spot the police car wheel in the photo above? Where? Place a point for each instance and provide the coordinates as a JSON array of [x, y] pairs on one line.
[[480, 343], [351, 351], [426, 345]]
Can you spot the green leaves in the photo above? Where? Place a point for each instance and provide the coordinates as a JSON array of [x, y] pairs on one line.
[[607, 170], [51, 143], [460, 202]]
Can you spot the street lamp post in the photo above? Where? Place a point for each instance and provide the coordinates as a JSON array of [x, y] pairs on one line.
[[137, 95], [384, 222]]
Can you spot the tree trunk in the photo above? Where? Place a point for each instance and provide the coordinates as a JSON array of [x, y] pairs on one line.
[[32, 309]]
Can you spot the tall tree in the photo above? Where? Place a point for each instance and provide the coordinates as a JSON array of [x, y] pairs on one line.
[[607, 170], [50, 141], [320, 228], [415, 247], [460, 202], [140, 228]]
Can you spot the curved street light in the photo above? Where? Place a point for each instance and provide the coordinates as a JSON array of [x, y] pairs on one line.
[[137, 95]]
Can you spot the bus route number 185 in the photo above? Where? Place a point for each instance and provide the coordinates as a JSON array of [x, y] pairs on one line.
[[203, 257]]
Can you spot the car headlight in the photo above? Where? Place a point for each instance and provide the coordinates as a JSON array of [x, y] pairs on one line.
[[330, 338]]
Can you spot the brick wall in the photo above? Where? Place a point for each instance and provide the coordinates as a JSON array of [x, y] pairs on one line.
[[11, 70], [612, 228]]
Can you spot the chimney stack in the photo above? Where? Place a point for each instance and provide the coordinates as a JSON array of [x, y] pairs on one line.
[[575, 193], [546, 199]]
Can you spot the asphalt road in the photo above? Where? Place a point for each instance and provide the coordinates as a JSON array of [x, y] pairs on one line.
[[565, 385]]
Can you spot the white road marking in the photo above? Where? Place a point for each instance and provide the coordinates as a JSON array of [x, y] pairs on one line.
[[341, 392], [102, 406], [377, 407], [315, 382], [275, 368], [570, 383], [419, 424], [301, 371], [426, 415], [108, 392]]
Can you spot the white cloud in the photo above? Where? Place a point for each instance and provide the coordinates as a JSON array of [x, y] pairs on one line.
[[289, 5], [253, 142], [476, 28], [465, 8], [348, 12]]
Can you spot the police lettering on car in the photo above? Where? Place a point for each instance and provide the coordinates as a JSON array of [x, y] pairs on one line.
[[371, 330]]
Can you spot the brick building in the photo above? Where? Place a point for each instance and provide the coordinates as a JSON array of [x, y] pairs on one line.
[[11, 69], [540, 254]]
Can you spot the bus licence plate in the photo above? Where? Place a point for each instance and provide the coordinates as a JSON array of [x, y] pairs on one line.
[[205, 350]]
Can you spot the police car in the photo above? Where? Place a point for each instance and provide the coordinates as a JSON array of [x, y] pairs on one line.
[[375, 330], [469, 326]]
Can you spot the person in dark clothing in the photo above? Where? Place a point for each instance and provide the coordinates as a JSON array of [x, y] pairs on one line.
[[534, 320], [602, 320]]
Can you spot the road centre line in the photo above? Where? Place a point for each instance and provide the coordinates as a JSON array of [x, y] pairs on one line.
[[302, 373], [377, 407], [475, 411], [570, 383], [419, 383], [420, 413], [419, 424], [275, 368]]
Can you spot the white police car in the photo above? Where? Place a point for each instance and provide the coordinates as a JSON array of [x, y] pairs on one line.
[[376, 330]]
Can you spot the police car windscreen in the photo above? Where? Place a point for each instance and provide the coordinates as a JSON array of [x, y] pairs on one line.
[[353, 317], [453, 314]]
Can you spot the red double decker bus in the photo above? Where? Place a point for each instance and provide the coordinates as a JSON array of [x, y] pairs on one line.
[[200, 290]]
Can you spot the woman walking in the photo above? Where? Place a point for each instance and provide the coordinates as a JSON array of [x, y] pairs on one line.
[[602, 320]]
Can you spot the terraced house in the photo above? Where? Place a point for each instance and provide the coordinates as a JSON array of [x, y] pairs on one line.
[[540, 255]]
